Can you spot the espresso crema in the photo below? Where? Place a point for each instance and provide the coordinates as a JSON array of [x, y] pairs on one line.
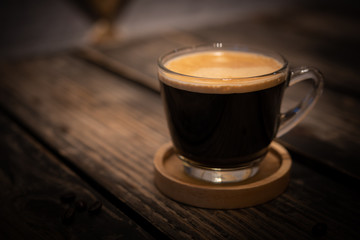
[[222, 72]]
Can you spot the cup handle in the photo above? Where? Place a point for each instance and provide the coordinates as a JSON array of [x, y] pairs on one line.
[[292, 117]]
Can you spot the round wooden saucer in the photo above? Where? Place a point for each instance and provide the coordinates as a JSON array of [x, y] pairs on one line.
[[271, 180]]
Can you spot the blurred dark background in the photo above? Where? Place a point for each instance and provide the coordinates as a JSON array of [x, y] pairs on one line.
[[40, 26]]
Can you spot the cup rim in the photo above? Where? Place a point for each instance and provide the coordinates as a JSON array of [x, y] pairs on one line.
[[224, 46]]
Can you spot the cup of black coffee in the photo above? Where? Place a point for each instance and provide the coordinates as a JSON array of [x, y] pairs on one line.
[[222, 104]]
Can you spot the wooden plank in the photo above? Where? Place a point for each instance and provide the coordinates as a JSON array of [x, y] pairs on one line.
[[330, 134], [111, 128], [33, 201]]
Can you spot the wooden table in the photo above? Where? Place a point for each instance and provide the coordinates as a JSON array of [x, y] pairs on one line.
[[89, 121]]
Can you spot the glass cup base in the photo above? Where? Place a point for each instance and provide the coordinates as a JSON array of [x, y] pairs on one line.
[[222, 175]]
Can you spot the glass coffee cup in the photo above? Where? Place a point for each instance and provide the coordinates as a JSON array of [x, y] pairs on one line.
[[222, 104]]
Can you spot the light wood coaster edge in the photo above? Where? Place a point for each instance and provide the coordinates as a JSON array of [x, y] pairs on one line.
[[222, 196]]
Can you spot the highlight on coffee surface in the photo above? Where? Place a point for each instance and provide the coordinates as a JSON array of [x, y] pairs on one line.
[[222, 71]]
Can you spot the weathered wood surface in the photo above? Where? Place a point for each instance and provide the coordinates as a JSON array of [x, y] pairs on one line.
[[33, 183], [110, 129], [330, 134]]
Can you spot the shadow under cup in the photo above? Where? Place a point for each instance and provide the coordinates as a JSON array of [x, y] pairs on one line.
[[221, 128]]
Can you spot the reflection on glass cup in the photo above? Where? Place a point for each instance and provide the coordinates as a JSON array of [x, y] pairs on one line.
[[222, 104]]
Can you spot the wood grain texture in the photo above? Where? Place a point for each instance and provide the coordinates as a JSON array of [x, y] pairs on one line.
[[111, 129], [32, 184]]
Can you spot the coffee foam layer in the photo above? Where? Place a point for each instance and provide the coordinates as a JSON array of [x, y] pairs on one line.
[[222, 72]]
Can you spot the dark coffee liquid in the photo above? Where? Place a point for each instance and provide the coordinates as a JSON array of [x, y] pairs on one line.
[[219, 114], [222, 130]]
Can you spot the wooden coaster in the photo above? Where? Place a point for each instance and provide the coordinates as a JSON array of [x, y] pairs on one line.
[[271, 180]]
